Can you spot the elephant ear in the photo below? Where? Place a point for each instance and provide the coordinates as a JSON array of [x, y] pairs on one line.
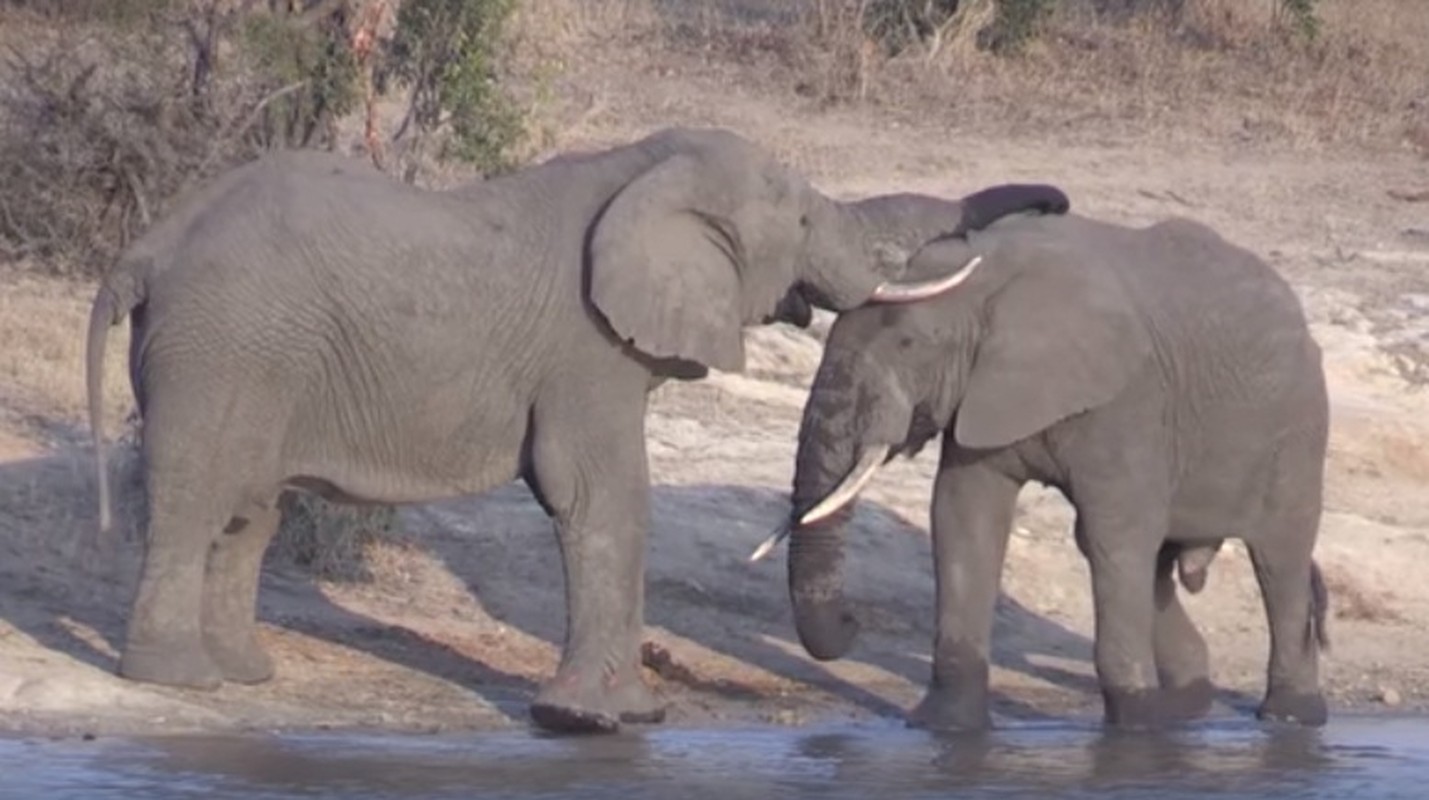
[[1056, 344], [664, 270]]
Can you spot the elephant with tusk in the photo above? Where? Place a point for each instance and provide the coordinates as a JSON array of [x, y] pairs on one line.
[[305, 322], [1162, 378]]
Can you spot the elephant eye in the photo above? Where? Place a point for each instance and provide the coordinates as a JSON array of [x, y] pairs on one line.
[[905, 342], [803, 220]]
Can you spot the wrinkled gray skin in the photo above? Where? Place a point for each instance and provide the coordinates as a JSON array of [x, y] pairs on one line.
[[1163, 379], [305, 322]]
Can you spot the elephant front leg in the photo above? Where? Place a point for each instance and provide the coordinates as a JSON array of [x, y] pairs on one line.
[[230, 630], [973, 505], [1182, 659], [593, 480], [1122, 538]]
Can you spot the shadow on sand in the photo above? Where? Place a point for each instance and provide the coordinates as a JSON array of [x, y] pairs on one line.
[[54, 584]]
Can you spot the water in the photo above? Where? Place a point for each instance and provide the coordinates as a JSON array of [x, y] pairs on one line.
[[1367, 757]]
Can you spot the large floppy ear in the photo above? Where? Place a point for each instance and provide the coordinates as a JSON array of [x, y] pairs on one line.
[[663, 266], [1056, 343]]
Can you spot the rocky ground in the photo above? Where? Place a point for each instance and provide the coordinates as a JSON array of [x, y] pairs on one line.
[[454, 623]]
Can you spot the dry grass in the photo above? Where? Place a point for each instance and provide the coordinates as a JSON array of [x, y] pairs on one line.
[[1228, 69], [1231, 67], [42, 327]]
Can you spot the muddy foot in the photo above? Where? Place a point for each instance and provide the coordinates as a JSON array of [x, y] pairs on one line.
[[944, 710], [1306, 708], [566, 706], [1134, 709], [185, 666], [1188, 702]]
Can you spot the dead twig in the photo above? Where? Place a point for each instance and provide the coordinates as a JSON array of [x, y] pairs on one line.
[[1421, 196], [247, 122]]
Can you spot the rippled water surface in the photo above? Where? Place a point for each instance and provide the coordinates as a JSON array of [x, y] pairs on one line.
[[1353, 757]]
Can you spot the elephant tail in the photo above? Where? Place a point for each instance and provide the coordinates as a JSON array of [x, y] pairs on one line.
[[119, 293], [1319, 608]]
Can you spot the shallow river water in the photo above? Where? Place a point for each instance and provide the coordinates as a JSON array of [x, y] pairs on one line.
[[1355, 757]]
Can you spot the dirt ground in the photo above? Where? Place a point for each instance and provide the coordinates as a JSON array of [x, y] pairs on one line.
[[455, 624]]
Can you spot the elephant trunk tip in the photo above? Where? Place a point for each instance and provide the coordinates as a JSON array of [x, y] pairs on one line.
[[833, 643], [826, 628]]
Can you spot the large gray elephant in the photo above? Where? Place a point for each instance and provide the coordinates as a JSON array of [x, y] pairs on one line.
[[1163, 379], [305, 322]]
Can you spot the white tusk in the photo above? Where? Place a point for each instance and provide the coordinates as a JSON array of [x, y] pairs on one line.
[[893, 292], [780, 534], [857, 478]]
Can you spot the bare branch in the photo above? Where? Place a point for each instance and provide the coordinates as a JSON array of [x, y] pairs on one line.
[[248, 121]]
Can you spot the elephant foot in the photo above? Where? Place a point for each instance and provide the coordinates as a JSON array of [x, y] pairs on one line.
[[1192, 700], [1300, 708], [570, 705], [1135, 709], [946, 711], [241, 659], [184, 666]]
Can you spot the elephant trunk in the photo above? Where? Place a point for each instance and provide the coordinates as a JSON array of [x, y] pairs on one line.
[[816, 586], [880, 243], [831, 467], [826, 627], [890, 228]]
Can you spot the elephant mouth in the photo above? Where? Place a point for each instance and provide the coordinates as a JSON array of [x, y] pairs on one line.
[[834, 502]]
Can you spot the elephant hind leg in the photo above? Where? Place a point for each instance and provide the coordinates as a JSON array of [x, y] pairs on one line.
[[230, 630], [1182, 658], [200, 459], [164, 643], [1292, 589]]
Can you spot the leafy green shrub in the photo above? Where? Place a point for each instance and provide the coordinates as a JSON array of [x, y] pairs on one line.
[[446, 53], [132, 101], [315, 61]]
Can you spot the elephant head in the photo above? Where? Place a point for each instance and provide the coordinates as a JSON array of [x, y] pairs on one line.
[[713, 234], [1027, 341]]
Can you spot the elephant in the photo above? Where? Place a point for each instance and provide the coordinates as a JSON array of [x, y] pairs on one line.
[[1163, 379], [305, 322]]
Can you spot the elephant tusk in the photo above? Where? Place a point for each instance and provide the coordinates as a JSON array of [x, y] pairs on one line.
[[844, 494], [780, 534], [859, 477], [893, 292]]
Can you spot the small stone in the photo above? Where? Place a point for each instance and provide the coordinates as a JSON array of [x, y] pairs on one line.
[[787, 717], [1389, 696]]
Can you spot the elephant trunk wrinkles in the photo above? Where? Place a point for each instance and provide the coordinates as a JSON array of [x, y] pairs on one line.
[[826, 453], [826, 627], [895, 225]]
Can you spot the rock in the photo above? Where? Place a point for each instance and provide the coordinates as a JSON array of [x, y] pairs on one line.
[[1389, 696]]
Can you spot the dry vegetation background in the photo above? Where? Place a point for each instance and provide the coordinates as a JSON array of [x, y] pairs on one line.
[[106, 115], [1313, 150]]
